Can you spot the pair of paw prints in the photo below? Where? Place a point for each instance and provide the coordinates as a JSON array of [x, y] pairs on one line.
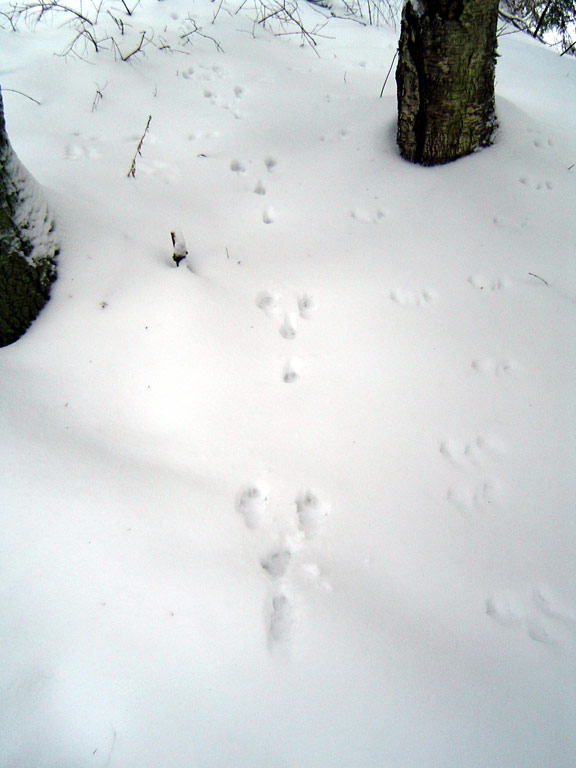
[[541, 616], [310, 510], [478, 492], [418, 298]]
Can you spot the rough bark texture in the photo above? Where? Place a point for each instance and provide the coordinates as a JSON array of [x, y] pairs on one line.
[[27, 247], [445, 78]]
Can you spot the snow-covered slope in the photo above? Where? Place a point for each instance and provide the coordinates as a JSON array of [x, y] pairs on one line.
[[309, 502]]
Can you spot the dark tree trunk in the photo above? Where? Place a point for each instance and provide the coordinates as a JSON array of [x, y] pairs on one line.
[[27, 247], [445, 78]]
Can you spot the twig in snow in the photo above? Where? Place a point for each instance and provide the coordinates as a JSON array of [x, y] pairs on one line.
[[132, 171], [12, 90], [198, 31], [98, 97], [538, 278], [389, 71]]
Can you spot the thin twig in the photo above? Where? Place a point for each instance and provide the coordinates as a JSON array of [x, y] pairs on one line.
[[12, 90], [538, 277], [132, 171], [389, 71]]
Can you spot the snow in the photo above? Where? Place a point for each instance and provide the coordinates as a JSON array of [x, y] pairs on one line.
[[309, 502]]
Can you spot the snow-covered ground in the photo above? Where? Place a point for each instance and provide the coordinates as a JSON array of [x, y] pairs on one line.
[[309, 502]]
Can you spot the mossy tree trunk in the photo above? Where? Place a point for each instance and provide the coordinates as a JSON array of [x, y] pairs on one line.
[[445, 78], [27, 247]]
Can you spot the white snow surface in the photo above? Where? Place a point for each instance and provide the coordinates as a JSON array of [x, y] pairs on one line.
[[307, 501]]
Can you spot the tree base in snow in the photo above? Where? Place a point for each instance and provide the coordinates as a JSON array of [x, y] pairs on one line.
[[27, 247], [445, 79]]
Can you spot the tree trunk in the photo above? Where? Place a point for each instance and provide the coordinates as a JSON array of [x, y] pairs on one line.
[[445, 78], [27, 246]]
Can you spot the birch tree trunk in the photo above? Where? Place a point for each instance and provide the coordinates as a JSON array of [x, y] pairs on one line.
[[445, 78], [28, 248]]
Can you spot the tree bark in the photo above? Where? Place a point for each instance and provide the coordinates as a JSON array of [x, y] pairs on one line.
[[28, 249], [445, 79]]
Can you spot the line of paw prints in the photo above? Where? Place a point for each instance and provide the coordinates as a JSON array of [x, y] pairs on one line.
[[542, 616], [287, 324], [310, 513], [478, 493], [237, 166]]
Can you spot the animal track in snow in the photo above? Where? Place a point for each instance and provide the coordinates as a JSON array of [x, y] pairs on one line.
[[267, 301], [487, 366], [280, 619], [482, 283], [543, 618], [288, 328], [292, 371], [474, 453], [505, 608], [270, 163], [376, 217], [237, 166], [421, 298], [259, 189], [311, 512], [540, 143], [340, 135], [553, 608], [276, 562], [539, 185], [306, 306], [268, 215], [251, 504], [194, 135], [473, 499], [80, 149]]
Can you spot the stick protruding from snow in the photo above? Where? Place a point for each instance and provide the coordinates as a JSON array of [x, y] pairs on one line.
[[179, 245]]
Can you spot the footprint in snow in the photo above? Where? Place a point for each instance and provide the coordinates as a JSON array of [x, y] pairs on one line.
[[276, 562], [237, 166], [375, 217], [539, 185], [268, 215], [288, 328], [292, 370], [259, 189], [544, 618], [267, 301], [270, 163], [280, 619], [306, 306], [488, 366], [311, 512], [553, 608], [476, 498], [482, 283], [421, 298], [251, 504], [474, 453], [82, 149], [505, 608]]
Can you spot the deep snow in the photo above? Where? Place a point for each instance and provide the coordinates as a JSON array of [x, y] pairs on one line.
[[309, 502]]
